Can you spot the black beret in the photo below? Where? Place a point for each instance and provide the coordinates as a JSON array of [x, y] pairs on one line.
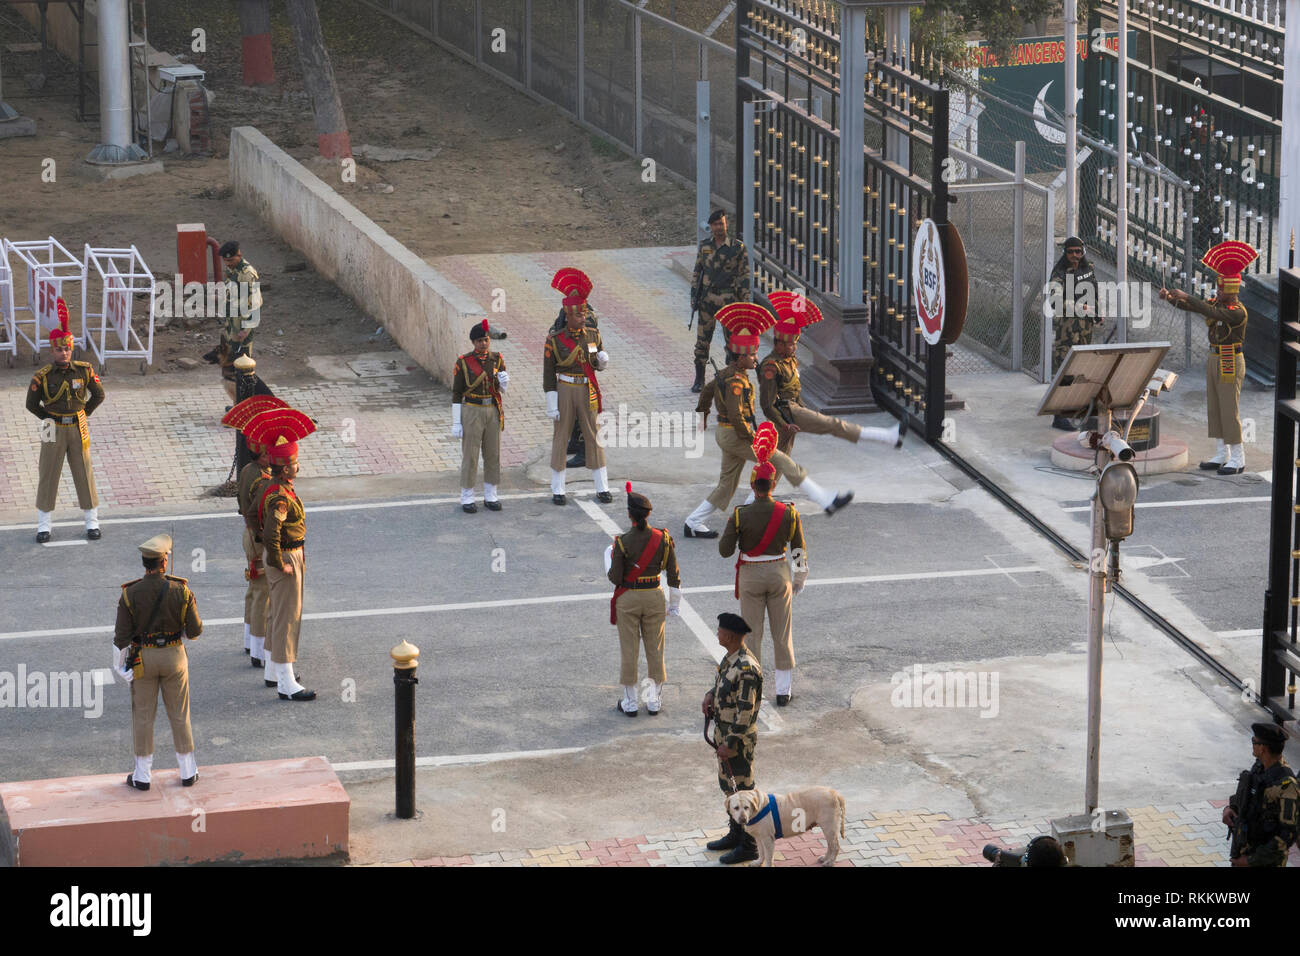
[[1269, 734], [637, 501], [716, 215], [733, 622], [478, 331], [231, 248]]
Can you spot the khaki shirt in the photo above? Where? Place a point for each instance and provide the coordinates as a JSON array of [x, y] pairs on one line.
[[64, 390], [283, 520], [627, 550], [244, 488], [733, 397], [737, 691], [466, 383], [177, 614], [566, 360], [749, 522], [1225, 326], [778, 378]]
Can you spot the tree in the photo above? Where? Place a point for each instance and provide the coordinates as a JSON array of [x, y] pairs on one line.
[[255, 34], [318, 77]]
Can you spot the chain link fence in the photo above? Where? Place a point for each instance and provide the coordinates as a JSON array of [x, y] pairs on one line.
[[617, 69]]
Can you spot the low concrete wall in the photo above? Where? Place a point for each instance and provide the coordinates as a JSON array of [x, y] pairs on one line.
[[423, 312]]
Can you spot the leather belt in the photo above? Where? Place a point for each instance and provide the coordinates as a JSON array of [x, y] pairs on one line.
[[292, 545], [65, 419], [572, 379], [477, 401], [759, 559], [161, 640], [1220, 348], [639, 585]]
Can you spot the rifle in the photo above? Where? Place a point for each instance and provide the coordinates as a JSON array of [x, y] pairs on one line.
[[1237, 833]]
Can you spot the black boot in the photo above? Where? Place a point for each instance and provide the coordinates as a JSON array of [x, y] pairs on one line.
[[577, 448], [728, 842], [699, 378], [745, 852], [1062, 423], [575, 440]]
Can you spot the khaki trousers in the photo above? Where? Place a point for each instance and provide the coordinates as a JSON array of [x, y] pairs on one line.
[[642, 615], [815, 423], [765, 588], [284, 614], [575, 406], [1222, 401], [164, 668], [258, 592], [482, 433], [735, 452], [66, 444]]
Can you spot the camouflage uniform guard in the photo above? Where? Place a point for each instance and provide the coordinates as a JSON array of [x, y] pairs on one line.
[[243, 312], [721, 277], [1262, 813], [1073, 284], [733, 705]]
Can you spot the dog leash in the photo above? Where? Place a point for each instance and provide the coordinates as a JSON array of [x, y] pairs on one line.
[[726, 762]]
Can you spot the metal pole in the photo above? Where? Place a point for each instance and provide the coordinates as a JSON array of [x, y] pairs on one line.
[[1071, 118], [1121, 157], [405, 661], [936, 366], [853, 132], [1017, 262], [1045, 327], [748, 173], [582, 61], [1096, 621], [115, 120], [1288, 180], [638, 107], [1187, 278], [703, 160]]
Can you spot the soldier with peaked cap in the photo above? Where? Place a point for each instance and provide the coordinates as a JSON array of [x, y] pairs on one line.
[[733, 705], [65, 394], [635, 561], [721, 277], [765, 532], [733, 396], [781, 395], [243, 311], [1262, 815], [1225, 370], [155, 614], [284, 535], [571, 358], [478, 417]]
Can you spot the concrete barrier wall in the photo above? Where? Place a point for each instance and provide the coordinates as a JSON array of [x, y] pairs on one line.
[[424, 313]]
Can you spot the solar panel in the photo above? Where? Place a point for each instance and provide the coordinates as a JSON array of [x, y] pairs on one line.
[[1123, 370]]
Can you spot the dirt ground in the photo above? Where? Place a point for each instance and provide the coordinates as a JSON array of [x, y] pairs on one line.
[[509, 174]]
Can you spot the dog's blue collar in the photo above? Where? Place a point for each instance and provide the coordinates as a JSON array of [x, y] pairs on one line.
[[770, 808]]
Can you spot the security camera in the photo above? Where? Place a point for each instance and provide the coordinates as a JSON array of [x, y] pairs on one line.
[[1116, 446], [1163, 380]]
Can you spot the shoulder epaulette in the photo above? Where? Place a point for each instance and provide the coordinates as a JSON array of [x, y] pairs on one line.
[[42, 371], [129, 583], [178, 580], [82, 364]]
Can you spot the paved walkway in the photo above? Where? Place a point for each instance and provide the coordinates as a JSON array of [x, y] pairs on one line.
[[1176, 835]]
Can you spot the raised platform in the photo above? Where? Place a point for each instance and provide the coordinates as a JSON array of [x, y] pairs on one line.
[[1169, 455], [235, 813]]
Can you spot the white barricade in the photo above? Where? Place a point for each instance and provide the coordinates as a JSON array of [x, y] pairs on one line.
[[122, 274], [8, 335], [49, 268]]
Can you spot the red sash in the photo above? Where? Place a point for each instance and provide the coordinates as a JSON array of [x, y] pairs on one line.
[[477, 370], [651, 549], [774, 522], [563, 338]]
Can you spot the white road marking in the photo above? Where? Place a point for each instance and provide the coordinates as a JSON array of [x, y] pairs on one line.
[[1267, 475], [62, 544], [316, 509], [456, 760], [689, 615], [1188, 503], [1247, 632]]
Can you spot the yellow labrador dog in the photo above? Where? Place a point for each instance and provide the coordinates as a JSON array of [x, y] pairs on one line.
[[769, 818]]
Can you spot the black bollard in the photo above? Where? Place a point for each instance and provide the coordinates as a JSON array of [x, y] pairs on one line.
[[405, 660]]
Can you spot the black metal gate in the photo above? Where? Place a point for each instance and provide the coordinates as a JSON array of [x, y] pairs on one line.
[[838, 130]]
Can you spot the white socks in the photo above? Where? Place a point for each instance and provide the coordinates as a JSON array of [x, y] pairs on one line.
[[489, 493], [270, 669], [92, 518], [599, 476], [1219, 458], [43, 520], [817, 493], [248, 639], [288, 683], [695, 520], [187, 765], [628, 703], [257, 648], [1236, 456], [652, 702], [467, 496], [557, 482], [143, 772], [784, 681], [886, 436]]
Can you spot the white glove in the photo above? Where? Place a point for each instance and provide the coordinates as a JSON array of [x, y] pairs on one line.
[[456, 430], [602, 360], [609, 558], [674, 602], [503, 379], [799, 580], [553, 406], [119, 658]]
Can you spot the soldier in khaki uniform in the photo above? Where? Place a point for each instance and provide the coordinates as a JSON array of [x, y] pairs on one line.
[[243, 312], [765, 532], [721, 277], [733, 707], [781, 395], [1225, 369], [65, 394], [478, 417], [634, 562], [571, 359], [733, 396], [251, 477], [155, 614]]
